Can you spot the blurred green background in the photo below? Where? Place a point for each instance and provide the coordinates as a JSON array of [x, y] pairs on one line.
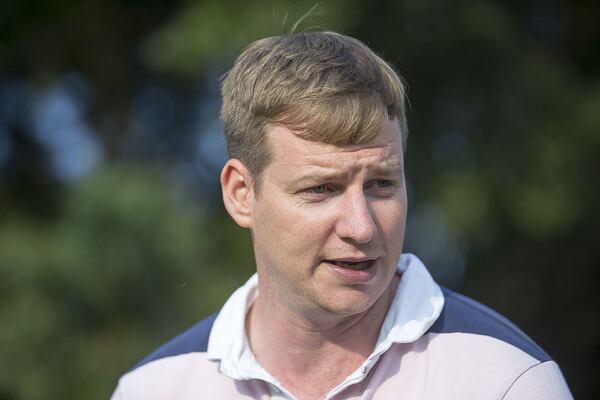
[[113, 237]]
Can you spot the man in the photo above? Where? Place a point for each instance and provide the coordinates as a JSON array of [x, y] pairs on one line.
[[316, 131]]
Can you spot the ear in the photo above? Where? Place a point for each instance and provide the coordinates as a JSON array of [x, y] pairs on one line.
[[237, 187]]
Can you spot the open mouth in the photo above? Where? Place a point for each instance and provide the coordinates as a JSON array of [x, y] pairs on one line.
[[357, 266]]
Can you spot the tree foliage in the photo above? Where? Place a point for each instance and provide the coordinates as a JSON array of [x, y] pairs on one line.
[[101, 264]]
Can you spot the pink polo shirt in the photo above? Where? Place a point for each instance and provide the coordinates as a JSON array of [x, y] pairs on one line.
[[433, 344]]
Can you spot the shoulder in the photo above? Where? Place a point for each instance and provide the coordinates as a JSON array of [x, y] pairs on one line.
[[464, 315], [193, 340], [168, 369], [474, 349]]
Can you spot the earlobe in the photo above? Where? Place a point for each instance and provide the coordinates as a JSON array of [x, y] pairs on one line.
[[236, 185]]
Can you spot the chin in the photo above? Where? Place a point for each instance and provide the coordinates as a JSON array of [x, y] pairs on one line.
[[350, 302]]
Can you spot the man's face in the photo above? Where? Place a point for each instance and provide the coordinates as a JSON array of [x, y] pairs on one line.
[[328, 221]]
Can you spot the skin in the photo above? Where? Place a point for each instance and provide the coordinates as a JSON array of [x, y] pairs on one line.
[[320, 204]]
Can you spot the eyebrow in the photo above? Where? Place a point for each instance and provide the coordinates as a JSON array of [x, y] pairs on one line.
[[317, 174], [389, 166]]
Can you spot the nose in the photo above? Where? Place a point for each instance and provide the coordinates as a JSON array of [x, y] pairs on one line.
[[355, 221]]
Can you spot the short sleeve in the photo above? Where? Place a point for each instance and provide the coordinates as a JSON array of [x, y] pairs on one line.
[[543, 381]]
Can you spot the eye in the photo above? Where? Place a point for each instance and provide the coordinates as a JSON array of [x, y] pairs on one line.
[[320, 189], [317, 193], [382, 187], [382, 183]]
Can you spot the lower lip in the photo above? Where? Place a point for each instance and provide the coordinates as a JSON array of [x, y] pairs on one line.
[[351, 275]]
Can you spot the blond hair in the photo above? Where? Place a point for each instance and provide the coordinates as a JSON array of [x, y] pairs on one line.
[[324, 86]]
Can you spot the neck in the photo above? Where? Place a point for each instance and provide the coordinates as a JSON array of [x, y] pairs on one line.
[[317, 347]]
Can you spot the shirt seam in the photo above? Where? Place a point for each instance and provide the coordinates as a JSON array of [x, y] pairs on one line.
[[506, 324], [520, 376], [151, 362]]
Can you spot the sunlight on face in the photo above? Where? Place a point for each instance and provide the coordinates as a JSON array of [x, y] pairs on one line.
[[328, 225]]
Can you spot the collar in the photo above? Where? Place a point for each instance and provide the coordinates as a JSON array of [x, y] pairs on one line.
[[417, 304]]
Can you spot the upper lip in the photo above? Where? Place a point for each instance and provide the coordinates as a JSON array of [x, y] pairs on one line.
[[352, 259]]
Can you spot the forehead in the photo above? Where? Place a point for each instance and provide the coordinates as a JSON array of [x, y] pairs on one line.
[[293, 155]]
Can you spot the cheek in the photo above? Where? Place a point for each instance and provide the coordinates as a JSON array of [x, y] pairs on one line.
[[287, 230], [392, 219]]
